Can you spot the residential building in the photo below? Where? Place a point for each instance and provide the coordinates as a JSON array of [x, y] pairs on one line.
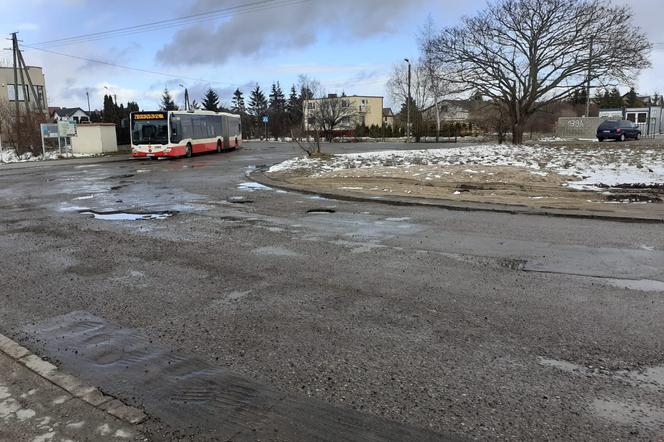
[[8, 92], [648, 118], [388, 117], [451, 111], [75, 114], [366, 111]]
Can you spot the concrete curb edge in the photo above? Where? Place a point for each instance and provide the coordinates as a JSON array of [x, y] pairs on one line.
[[72, 385], [259, 177]]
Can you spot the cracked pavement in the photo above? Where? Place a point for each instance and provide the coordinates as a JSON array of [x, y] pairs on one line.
[[481, 325]]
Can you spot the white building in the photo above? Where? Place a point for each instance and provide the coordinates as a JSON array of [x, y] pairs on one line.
[[75, 114]]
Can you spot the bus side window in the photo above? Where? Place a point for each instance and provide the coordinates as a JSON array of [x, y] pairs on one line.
[[186, 129], [198, 128], [218, 125]]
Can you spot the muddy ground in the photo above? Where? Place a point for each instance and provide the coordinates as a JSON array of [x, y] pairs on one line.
[[479, 184]]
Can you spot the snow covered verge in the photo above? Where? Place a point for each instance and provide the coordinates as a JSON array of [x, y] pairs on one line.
[[10, 156], [592, 168]]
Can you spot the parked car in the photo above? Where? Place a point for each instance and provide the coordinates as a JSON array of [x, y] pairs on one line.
[[618, 130]]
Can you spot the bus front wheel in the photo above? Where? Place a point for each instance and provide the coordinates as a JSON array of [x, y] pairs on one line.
[[187, 152]]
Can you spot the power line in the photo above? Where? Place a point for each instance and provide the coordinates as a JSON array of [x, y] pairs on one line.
[[146, 71], [170, 23]]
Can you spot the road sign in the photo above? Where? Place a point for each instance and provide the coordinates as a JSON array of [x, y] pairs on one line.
[[266, 119], [50, 130]]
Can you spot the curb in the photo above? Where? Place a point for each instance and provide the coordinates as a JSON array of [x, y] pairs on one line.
[[260, 177], [71, 384]]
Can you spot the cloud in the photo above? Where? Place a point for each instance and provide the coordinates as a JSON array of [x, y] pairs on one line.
[[273, 30], [27, 27]]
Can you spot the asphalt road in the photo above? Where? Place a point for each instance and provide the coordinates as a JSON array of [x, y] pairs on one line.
[[484, 325]]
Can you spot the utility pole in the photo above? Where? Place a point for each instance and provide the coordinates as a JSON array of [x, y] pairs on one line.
[[408, 104], [18, 112], [590, 63], [87, 94]]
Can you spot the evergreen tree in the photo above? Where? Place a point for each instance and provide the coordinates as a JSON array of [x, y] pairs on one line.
[[615, 100], [277, 98], [306, 94], [257, 102], [167, 103], [132, 106], [110, 112], [196, 106], [631, 98], [601, 97], [238, 102], [210, 101], [294, 107]]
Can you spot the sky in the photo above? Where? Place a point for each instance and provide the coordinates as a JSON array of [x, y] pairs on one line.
[[348, 45]]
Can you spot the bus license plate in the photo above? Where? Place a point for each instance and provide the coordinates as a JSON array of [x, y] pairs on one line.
[[150, 155]]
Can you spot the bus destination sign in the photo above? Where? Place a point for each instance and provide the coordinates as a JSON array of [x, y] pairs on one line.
[[150, 116]]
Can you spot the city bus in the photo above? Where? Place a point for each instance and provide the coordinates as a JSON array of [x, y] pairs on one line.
[[183, 133]]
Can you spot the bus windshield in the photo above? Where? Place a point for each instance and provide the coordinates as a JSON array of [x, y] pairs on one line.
[[149, 128]]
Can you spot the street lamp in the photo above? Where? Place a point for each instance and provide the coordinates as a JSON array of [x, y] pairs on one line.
[[186, 96], [408, 104]]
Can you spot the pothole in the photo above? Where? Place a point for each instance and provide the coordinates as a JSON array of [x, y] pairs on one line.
[[119, 177], [513, 264], [239, 200], [117, 215], [322, 210]]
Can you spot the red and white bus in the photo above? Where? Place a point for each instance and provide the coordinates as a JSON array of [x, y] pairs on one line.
[[183, 133]]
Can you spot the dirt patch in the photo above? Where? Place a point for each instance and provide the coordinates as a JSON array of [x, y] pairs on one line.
[[509, 185]]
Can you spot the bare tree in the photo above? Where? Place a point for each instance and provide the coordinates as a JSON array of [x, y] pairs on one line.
[[528, 53], [328, 113], [421, 96], [7, 119], [491, 117], [438, 80]]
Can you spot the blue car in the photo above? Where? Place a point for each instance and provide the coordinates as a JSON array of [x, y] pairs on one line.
[[618, 130]]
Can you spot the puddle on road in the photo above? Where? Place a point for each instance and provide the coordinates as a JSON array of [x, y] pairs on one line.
[[566, 366], [643, 285], [275, 251], [629, 413], [128, 216], [649, 378], [252, 186]]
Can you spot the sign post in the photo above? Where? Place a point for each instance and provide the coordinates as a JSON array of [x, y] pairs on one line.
[[48, 131], [265, 121], [63, 129]]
